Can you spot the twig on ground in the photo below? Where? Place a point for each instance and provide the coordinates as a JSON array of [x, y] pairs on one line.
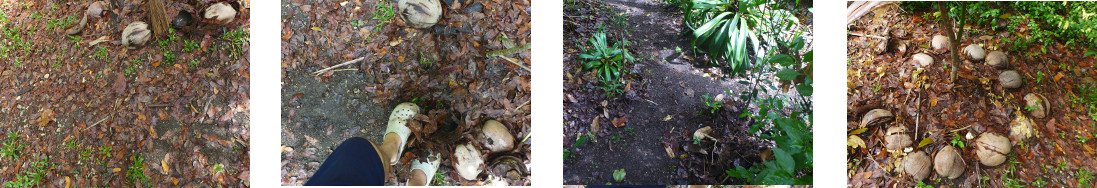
[[869, 36], [98, 122], [520, 106], [321, 71]]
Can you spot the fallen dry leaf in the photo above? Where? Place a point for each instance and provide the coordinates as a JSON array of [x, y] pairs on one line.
[[855, 141], [620, 122]]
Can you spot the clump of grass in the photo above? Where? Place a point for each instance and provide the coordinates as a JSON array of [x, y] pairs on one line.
[[236, 39], [11, 146], [136, 171], [32, 176]]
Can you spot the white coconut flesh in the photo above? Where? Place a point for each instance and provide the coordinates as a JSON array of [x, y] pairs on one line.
[[468, 161], [221, 12]]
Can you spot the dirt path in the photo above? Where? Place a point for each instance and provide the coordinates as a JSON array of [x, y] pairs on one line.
[[666, 83]]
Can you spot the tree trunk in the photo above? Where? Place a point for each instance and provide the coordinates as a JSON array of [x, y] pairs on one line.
[[954, 37], [158, 17]]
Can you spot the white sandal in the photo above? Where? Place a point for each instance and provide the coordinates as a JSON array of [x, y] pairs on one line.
[[398, 121], [428, 168]]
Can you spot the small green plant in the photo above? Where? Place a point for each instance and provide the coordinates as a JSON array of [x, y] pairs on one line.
[[1039, 76], [11, 146], [619, 174], [956, 141], [384, 12], [71, 143], [1084, 176], [615, 138], [712, 103], [136, 171], [101, 54], [922, 185], [105, 151], [236, 40], [578, 142], [32, 176], [608, 62], [439, 176], [189, 45]]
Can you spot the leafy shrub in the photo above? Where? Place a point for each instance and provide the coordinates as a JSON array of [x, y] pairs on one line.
[[608, 61]]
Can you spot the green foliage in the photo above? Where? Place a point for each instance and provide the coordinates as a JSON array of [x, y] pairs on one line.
[[384, 12], [236, 38], [101, 54], [136, 171], [956, 141], [1083, 177], [32, 176], [105, 151], [922, 185], [619, 174], [1039, 76], [579, 142], [11, 146], [189, 45], [438, 177], [712, 103], [608, 62]]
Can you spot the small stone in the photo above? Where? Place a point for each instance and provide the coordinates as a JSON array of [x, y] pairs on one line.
[[975, 51], [1010, 79], [939, 42], [997, 59], [922, 60]]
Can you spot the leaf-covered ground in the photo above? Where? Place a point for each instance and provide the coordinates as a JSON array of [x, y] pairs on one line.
[[81, 115], [646, 132], [1059, 155], [444, 69]]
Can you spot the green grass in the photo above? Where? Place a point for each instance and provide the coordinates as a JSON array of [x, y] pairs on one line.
[[1083, 177], [189, 45], [384, 12], [438, 177], [101, 54], [106, 151], [11, 146], [32, 177], [236, 40], [136, 171]]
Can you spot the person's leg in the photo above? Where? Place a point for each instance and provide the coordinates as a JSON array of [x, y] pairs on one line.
[[355, 162]]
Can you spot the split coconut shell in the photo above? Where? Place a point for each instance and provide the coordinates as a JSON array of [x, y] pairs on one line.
[[992, 148]]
